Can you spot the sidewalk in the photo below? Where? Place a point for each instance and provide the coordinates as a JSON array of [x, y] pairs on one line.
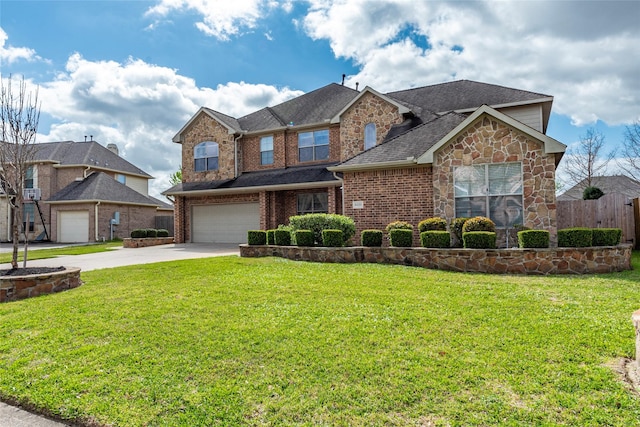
[[11, 416]]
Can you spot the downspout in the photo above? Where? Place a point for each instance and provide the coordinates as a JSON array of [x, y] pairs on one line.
[[341, 189], [97, 223], [235, 155]]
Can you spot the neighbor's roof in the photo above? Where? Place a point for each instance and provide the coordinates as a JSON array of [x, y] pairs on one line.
[[608, 184], [273, 179], [100, 187], [68, 153]]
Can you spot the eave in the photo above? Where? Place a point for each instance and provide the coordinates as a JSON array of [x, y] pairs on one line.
[[395, 164], [256, 189]]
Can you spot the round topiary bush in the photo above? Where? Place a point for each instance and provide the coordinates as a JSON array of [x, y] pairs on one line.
[[152, 232], [478, 223], [398, 225], [139, 233], [162, 232], [432, 224], [371, 238]]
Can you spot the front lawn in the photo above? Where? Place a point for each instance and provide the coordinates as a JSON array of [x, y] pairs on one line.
[[265, 341], [34, 252]]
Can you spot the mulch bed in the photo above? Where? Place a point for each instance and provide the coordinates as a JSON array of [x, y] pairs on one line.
[[30, 270]]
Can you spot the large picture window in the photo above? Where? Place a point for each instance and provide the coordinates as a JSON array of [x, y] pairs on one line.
[[205, 155], [266, 150], [313, 203], [491, 190], [313, 145]]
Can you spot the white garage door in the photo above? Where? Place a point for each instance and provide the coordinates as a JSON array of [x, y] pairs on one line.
[[224, 223], [73, 226]]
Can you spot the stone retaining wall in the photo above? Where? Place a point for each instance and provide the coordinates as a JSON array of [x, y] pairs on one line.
[[604, 259], [146, 241], [13, 288]]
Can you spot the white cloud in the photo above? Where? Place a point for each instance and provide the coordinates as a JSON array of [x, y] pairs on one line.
[[10, 54], [220, 19], [140, 107], [583, 53]]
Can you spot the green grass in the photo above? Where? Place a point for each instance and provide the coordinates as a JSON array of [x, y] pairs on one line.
[[234, 341], [35, 253]]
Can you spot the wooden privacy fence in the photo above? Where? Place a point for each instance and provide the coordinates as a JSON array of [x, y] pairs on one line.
[[612, 210], [166, 222]]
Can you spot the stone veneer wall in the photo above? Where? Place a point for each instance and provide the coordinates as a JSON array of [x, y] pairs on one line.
[[13, 288], [146, 241], [497, 261], [490, 141]]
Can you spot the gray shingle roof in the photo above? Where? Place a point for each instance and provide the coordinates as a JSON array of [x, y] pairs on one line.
[[608, 184], [85, 153], [100, 186], [229, 121]]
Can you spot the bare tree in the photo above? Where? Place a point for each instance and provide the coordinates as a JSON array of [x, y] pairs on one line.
[[20, 114], [631, 151], [586, 160]]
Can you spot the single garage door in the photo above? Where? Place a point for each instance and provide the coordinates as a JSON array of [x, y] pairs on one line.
[[73, 226], [224, 223]]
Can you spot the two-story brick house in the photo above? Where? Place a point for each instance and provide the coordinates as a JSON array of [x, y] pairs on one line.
[[455, 149], [79, 187]]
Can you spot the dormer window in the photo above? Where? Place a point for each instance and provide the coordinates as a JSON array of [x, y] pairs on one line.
[[205, 155], [370, 136]]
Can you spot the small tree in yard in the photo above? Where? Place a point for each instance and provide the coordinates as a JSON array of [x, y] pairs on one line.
[[19, 114], [586, 160], [631, 151]]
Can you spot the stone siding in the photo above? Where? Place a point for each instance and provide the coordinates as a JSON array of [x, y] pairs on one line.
[[145, 242], [495, 261], [13, 288]]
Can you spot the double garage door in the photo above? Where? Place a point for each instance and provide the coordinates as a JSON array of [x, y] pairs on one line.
[[224, 223]]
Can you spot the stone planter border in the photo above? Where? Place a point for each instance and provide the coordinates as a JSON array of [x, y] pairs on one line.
[[602, 259], [13, 288], [146, 241]]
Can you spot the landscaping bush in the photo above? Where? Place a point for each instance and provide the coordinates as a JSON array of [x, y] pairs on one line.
[[576, 237], [162, 232], [455, 226], [371, 238], [152, 232], [432, 224], [478, 223], [332, 238], [479, 239], [398, 225], [303, 237], [271, 237], [318, 222], [282, 237], [606, 236], [401, 237], [592, 193], [533, 239], [256, 237], [435, 239], [139, 233]]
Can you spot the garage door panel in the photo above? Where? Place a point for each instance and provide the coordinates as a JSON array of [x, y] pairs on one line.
[[224, 223], [73, 226]]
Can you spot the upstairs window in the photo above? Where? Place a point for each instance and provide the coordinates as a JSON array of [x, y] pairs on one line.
[[266, 150], [205, 155], [313, 203], [313, 145], [122, 179], [491, 190], [370, 136], [29, 177]]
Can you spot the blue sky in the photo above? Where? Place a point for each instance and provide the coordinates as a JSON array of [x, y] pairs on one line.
[[133, 72]]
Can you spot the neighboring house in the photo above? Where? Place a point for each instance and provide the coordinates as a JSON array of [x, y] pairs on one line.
[[608, 184], [79, 188], [455, 149]]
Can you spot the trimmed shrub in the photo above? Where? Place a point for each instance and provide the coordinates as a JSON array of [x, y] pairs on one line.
[[533, 239], [400, 237], [163, 232], [478, 223], [332, 238], [138, 233], [398, 225], [576, 237], [435, 239], [271, 237], [432, 224], [456, 225], [318, 222], [152, 232], [282, 237], [371, 238], [256, 237], [592, 193], [606, 236], [303, 237], [479, 239]]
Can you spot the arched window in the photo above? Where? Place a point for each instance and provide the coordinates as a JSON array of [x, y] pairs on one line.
[[205, 155], [369, 136]]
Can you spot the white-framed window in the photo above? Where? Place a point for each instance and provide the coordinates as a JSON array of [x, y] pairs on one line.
[[205, 156], [491, 190], [313, 145], [266, 150], [370, 135], [122, 179], [29, 177], [313, 203], [28, 211]]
